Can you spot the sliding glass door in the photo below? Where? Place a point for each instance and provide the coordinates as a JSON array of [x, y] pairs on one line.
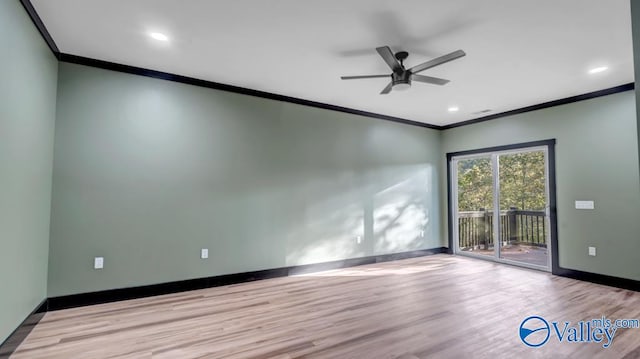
[[501, 207]]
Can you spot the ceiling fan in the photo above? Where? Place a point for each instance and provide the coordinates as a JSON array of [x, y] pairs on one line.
[[401, 77]]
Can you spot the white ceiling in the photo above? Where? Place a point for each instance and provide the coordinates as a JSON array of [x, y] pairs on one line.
[[519, 53]]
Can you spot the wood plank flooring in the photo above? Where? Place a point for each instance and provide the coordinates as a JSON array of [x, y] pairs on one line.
[[431, 307]]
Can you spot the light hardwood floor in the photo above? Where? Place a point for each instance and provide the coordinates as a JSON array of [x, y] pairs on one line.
[[431, 307]]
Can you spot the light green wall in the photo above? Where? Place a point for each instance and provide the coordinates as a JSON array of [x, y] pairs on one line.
[[596, 159], [147, 172], [28, 71]]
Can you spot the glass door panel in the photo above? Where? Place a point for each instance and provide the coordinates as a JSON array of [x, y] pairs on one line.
[[475, 198], [522, 192]]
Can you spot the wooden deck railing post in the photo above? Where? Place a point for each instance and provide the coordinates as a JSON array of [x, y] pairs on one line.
[[485, 229], [512, 225]]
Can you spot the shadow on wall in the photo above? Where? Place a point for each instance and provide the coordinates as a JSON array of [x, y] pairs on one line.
[[385, 211]]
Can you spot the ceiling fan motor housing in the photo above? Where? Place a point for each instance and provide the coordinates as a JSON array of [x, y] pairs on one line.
[[401, 80]]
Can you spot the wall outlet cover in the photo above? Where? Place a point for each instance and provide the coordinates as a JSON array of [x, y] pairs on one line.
[[204, 253], [98, 263], [585, 205], [592, 251]]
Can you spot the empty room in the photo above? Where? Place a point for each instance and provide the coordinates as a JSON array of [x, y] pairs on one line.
[[319, 179]]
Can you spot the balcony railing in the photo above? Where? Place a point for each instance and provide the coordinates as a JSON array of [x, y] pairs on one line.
[[475, 229]]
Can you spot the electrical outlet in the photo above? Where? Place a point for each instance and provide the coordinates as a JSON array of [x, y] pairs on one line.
[[359, 239], [98, 263], [204, 253], [592, 251]]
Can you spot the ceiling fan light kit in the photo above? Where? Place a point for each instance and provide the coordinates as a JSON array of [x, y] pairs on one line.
[[401, 77]]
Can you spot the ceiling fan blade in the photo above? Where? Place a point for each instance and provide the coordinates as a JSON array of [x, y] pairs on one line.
[[429, 79], [389, 58], [437, 61], [363, 77], [387, 89]]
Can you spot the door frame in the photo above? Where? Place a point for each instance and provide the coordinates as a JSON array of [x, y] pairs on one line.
[[495, 175], [551, 189]]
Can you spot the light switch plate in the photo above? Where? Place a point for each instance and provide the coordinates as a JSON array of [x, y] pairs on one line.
[[592, 251], [98, 263], [585, 205], [204, 253]]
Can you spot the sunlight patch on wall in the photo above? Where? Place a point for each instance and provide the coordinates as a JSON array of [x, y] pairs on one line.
[[401, 214], [328, 229], [385, 210]]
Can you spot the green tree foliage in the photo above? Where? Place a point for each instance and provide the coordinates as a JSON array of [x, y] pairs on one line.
[[522, 182], [475, 188]]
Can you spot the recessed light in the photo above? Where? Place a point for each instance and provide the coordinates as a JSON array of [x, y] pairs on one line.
[[595, 70], [159, 36], [453, 109], [481, 112]]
